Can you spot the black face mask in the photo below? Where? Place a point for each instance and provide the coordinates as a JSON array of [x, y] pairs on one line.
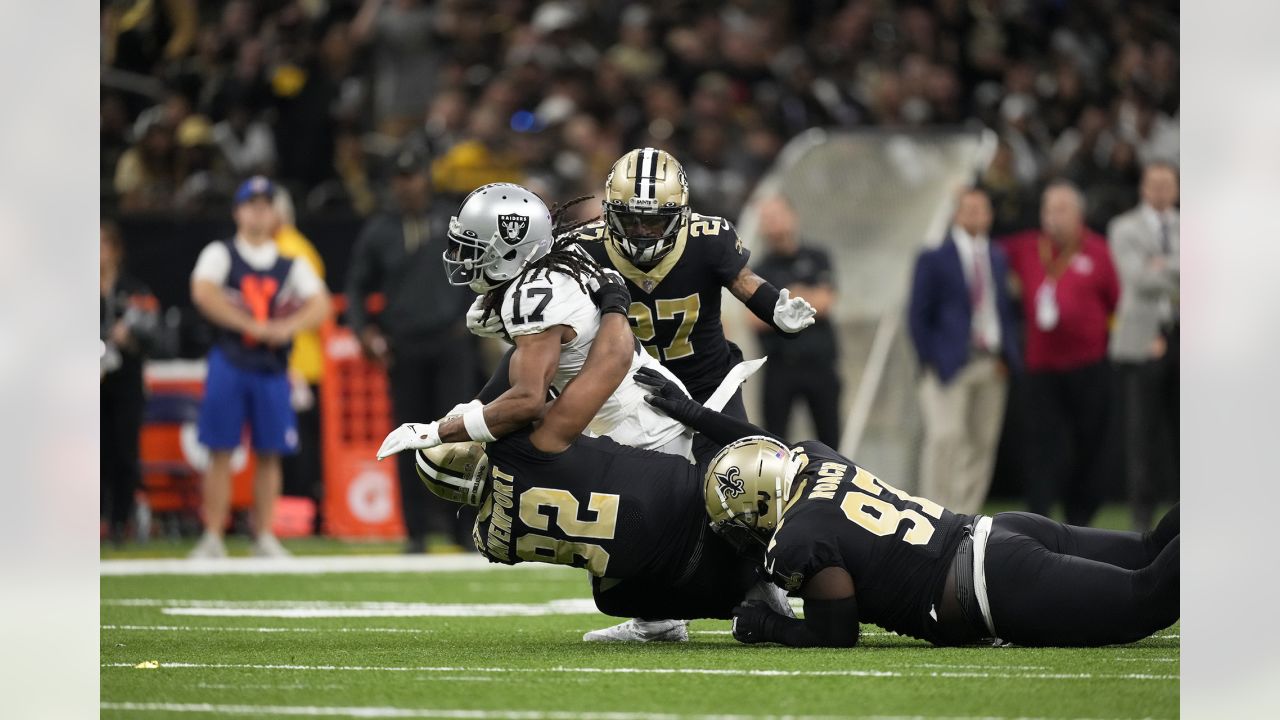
[[644, 229]]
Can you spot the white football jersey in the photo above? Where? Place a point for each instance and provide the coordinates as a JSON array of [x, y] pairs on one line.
[[545, 299]]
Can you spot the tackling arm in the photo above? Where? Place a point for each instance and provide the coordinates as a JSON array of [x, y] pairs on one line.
[[830, 615], [606, 367], [532, 366], [669, 398]]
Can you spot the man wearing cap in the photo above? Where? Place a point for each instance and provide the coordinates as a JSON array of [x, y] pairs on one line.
[[420, 336], [257, 300]]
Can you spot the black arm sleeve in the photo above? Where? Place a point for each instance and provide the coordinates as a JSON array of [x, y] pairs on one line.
[[826, 623], [500, 382], [719, 428]]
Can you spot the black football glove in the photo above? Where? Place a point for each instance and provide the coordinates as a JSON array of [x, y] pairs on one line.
[[610, 294], [664, 393], [749, 621]]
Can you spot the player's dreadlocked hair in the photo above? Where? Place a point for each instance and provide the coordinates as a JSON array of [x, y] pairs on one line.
[[563, 257]]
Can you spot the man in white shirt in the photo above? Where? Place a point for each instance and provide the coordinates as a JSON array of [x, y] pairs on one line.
[[961, 322], [257, 300], [1144, 243]]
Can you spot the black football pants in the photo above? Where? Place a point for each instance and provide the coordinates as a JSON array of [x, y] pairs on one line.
[[717, 584], [816, 383], [1068, 424], [1056, 584], [423, 388]]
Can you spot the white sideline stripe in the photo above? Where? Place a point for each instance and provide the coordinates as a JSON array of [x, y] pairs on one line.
[[324, 609], [451, 714], [664, 671], [305, 565], [212, 628]]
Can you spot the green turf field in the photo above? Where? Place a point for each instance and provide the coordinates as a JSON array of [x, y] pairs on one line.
[[419, 644]]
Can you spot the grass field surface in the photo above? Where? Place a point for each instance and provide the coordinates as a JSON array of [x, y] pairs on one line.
[[235, 639]]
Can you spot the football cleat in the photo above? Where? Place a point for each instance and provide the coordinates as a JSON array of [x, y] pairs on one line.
[[210, 546], [642, 631], [267, 546]]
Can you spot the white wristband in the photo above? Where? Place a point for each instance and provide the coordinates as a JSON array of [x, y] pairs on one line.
[[473, 421]]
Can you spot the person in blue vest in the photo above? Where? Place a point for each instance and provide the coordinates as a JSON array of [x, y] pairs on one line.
[[962, 326], [257, 301]]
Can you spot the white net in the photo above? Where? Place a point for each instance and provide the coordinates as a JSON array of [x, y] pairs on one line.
[[872, 199]]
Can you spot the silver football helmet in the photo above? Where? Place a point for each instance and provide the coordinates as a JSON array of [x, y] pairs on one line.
[[499, 229]]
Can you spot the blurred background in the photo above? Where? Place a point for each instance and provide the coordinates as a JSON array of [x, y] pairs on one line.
[[865, 116]]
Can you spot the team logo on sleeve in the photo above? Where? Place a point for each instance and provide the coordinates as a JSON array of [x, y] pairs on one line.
[[514, 228], [730, 482]]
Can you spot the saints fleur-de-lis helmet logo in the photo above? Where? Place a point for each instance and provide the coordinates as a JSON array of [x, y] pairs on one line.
[[730, 482]]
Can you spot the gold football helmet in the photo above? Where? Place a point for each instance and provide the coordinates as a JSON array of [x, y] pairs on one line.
[[747, 486], [646, 203], [457, 472]]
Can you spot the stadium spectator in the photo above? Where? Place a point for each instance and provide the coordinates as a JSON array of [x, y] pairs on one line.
[[1069, 291], [129, 324], [303, 473], [804, 366], [420, 336], [246, 143], [485, 156], [145, 177], [203, 181], [690, 80], [403, 36], [962, 326], [1144, 242], [258, 302]]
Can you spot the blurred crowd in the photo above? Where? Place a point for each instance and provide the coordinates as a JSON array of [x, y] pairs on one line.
[[322, 94]]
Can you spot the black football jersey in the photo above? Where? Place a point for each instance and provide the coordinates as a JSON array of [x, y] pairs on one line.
[[620, 512], [675, 307], [896, 547]]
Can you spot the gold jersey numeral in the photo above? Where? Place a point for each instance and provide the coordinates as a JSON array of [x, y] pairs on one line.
[[865, 508], [689, 308], [535, 505]]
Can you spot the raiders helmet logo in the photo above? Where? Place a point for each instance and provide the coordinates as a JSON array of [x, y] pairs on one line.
[[730, 482], [513, 228]]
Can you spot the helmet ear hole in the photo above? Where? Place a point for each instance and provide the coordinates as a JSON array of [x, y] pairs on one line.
[[509, 256]]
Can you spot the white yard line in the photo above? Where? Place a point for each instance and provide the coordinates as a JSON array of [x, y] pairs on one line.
[[663, 671], [209, 628], [325, 609], [306, 565], [459, 714]]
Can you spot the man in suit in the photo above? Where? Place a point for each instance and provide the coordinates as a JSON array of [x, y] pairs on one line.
[[1144, 243], [961, 321]]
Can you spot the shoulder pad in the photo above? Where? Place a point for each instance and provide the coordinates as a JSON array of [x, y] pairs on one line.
[[594, 231]]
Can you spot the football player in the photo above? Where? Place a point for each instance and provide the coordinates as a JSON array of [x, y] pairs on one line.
[[675, 263], [537, 289], [858, 549], [632, 518]]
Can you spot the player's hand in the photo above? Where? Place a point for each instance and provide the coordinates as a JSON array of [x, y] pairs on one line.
[[480, 326], [792, 314], [749, 622], [410, 436], [609, 292], [663, 391]]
